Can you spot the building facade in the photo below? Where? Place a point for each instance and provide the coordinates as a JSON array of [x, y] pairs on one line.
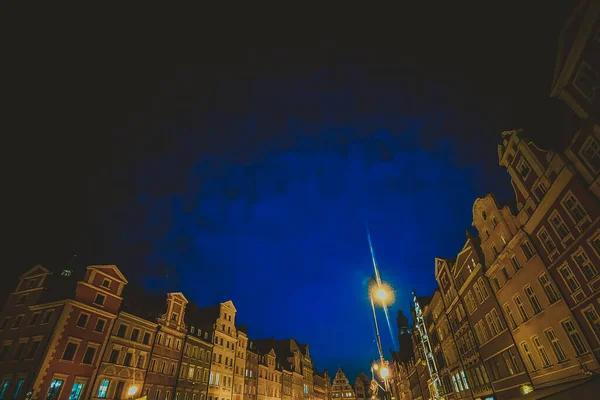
[[251, 372], [341, 388]]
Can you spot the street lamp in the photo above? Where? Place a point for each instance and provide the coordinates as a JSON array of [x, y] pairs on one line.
[[133, 389], [382, 292]]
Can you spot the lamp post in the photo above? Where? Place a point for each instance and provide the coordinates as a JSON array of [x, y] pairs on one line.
[[384, 295]]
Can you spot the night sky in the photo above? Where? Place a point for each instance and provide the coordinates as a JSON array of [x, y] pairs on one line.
[[237, 157]]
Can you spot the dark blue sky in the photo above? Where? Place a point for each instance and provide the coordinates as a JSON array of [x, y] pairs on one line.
[[245, 164]]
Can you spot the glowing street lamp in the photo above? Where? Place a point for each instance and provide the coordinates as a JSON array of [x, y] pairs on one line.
[[384, 373], [133, 389]]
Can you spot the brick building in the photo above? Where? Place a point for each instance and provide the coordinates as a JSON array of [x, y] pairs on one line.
[[251, 373]]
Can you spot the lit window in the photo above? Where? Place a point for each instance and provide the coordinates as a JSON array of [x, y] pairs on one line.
[[76, 391], [4, 388], [18, 388], [54, 389], [103, 388]]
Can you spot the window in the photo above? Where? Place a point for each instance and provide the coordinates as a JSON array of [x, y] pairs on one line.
[[508, 362], [34, 318], [103, 388], [135, 334], [35, 345], [3, 323], [521, 308], [495, 251], [483, 288], [17, 322], [541, 351], [591, 316], [54, 389], [88, 357], [590, 152], [509, 316], [140, 361], [152, 366], [47, 316], [574, 337], [4, 350], [19, 352], [515, 263], [177, 344], [169, 341], [574, 208], [549, 289], [584, 264], [546, 241], [82, 320], [100, 325], [527, 250], [21, 299], [495, 283], [70, 350], [477, 292], [559, 226], [492, 324], [569, 278], [76, 391], [556, 347], [18, 388], [100, 299], [528, 356], [106, 283], [146, 338], [586, 81], [540, 191], [523, 169], [533, 300], [127, 362], [122, 330], [505, 273], [114, 356], [4, 388]]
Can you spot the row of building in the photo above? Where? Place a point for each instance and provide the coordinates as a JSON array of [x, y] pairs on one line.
[[517, 308], [73, 335]]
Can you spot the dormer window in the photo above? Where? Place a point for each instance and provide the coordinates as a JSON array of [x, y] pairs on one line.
[[494, 222], [106, 283], [174, 317], [31, 283]]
